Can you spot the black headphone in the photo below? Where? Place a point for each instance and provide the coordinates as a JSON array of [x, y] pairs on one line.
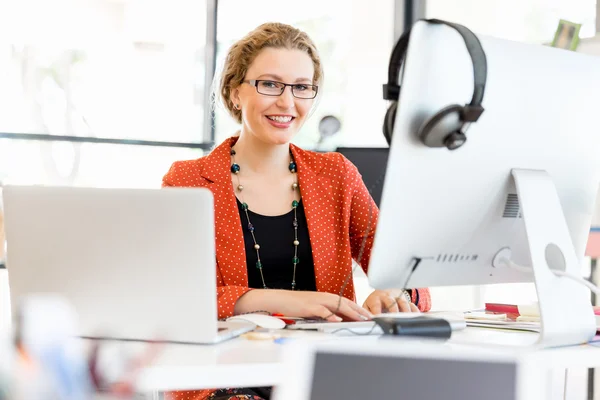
[[447, 127]]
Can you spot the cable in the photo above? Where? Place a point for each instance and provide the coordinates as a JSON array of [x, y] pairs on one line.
[[375, 184], [529, 270], [359, 258], [580, 280], [362, 245], [418, 261], [369, 332]]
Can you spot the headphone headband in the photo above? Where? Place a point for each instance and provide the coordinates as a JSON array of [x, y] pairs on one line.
[[391, 90], [447, 127]]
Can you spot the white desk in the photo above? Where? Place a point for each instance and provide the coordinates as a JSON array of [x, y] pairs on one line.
[[236, 363], [243, 363]]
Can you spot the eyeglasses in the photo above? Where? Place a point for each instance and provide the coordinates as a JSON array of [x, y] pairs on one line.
[[274, 88]]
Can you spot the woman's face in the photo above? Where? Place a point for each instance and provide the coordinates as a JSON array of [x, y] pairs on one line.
[[275, 119]]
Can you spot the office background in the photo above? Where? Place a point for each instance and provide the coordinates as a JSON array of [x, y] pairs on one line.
[[108, 93]]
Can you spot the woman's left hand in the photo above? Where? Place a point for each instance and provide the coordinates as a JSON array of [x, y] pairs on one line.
[[388, 301]]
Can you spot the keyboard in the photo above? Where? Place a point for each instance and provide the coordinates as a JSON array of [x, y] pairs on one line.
[[456, 320]]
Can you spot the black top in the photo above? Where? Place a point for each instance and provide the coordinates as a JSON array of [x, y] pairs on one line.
[[275, 235]]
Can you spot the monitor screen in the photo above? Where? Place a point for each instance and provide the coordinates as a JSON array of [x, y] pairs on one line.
[[359, 376], [371, 162]]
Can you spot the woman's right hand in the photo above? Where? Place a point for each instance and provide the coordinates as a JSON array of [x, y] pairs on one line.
[[304, 304]]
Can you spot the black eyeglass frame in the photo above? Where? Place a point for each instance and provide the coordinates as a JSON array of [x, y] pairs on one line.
[[255, 82]]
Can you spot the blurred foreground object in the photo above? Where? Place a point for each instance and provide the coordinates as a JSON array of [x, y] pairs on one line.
[[45, 360]]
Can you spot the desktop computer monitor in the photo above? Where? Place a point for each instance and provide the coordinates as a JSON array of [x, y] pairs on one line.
[[520, 191], [355, 369], [371, 163]]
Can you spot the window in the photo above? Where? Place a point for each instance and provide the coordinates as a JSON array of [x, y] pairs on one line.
[[87, 164], [533, 21], [354, 39], [122, 69]]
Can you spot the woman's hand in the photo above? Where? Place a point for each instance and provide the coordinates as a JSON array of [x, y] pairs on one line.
[[388, 301], [302, 304]]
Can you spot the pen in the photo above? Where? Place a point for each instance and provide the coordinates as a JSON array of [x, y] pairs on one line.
[[287, 320]]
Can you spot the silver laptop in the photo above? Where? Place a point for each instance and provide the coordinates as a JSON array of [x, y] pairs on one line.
[[135, 263]]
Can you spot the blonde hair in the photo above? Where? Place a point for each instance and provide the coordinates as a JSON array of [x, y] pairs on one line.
[[244, 51]]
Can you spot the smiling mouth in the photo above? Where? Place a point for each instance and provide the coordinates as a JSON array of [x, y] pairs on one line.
[[281, 119]]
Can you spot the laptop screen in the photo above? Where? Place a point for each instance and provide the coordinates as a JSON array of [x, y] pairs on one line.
[[350, 377]]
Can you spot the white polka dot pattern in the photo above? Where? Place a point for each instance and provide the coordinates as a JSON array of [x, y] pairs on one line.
[[336, 203]]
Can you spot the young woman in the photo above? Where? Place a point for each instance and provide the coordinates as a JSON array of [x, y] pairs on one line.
[[288, 222]]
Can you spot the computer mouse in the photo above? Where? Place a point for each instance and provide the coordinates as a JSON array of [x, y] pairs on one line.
[[260, 320]]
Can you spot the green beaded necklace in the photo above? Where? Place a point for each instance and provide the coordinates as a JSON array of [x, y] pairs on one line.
[[235, 169]]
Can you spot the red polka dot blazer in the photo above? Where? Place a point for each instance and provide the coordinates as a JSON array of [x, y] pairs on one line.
[[336, 203]]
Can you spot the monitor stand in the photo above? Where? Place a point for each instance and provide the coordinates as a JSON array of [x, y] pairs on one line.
[[566, 312]]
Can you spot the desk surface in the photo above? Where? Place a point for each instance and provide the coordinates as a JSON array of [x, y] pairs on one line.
[[236, 363], [241, 362]]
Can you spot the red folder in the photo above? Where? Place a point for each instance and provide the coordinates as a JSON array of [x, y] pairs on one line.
[[514, 309]]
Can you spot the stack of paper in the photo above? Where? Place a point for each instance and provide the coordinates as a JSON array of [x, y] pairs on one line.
[[500, 321], [522, 317]]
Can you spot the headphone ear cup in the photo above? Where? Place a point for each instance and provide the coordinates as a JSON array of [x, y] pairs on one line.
[[388, 122], [444, 129], [455, 140]]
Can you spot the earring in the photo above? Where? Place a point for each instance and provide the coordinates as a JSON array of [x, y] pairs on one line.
[[237, 106]]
